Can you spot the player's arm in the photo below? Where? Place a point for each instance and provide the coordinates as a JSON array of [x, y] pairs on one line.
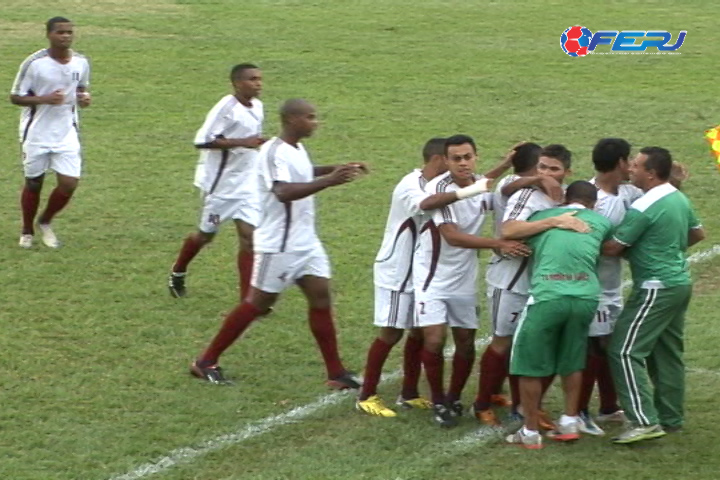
[[627, 233], [83, 97], [549, 185], [443, 199], [288, 192], [697, 232], [319, 171], [453, 236], [222, 143], [519, 229], [55, 98]]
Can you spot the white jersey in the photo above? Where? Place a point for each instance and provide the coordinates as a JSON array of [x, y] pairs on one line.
[[393, 263], [39, 75], [613, 207], [288, 226], [439, 269], [229, 173], [509, 272]]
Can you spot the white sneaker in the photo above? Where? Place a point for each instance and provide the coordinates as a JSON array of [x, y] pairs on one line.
[[48, 236], [566, 432], [532, 440], [587, 425], [637, 434], [26, 240], [617, 416]]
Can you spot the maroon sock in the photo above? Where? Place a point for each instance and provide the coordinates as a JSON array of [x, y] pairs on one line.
[[606, 387], [190, 248], [245, 266], [378, 353], [514, 382], [461, 368], [322, 327], [57, 201], [493, 370], [588, 382], [29, 202], [234, 325], [434, 363], [412, 366]]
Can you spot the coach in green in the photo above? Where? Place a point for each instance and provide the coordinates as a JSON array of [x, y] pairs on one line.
[[552, 335], [648, 337]]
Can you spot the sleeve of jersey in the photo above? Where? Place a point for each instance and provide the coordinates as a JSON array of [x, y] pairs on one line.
[[444, 215], [519, 206], [693, 220], [632, 227], [411, 197], [278, 170], [23, 80], [85, 77], [216, 122]]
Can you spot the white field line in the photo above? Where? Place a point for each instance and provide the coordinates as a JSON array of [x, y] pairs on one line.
[[186, 455]]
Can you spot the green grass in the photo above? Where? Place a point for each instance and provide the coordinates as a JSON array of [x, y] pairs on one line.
[[93, 352]]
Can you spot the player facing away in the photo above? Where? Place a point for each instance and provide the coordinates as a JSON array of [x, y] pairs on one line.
[[51, 84], [287, 249], [444, 276], [610, 158], [394, 298], [508, 277], [647, 344], [552, 332], [228, 142]]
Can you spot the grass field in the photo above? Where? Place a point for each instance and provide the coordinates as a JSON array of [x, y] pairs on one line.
[[94, 352]]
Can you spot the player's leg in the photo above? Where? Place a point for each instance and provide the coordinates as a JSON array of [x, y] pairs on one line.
[[463, 321], [67, 165], [412, 367], [609, 410], [35, 162], [600, 327], [666, 365], [245, 227], [266, 287]]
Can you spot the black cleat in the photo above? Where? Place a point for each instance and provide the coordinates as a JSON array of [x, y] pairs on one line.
[[211, 373], [345, 381], [456, 408], [443, 416], [176, 284]]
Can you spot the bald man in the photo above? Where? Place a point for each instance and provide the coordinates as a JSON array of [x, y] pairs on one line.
[[286, 245]]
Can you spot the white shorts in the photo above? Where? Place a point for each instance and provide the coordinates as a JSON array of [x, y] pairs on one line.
[[505, 309], [604, 322], [394, 309], [63, 159], [217, 210], [274, 272], [460, 312]]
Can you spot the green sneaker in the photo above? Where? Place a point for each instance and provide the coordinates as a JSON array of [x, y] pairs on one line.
[[638, 434]]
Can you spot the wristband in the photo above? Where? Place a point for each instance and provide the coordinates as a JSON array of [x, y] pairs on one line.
[[481, 186]]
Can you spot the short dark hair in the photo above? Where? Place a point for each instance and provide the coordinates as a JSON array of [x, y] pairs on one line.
[[434, 146], [238, 70], [50, 24], [659, 160], [558, 152], [582, 191], [459, 140], [526, 157], [608, 152]]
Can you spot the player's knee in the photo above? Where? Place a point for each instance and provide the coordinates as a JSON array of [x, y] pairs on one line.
[[34, 184], [391, 336], [67, 185], [203, 238], [501, 345]]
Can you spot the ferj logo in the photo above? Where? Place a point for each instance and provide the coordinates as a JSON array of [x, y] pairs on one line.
[[578, 41]]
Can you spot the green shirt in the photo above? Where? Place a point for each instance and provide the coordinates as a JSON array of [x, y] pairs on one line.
[[564, 262], [655, 230]]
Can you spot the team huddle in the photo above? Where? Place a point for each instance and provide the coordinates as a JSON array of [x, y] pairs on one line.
[[554, 279]]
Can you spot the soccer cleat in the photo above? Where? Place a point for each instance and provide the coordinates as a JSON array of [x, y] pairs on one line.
[[565, 433], [344, 381], [500, 400], [374, 406], [48, 236], [443, 416], [419, 403], [587, 425], [672, 428], [618, 416], [545, 422], [176, 284], [637, 434], [456, 408], [532, 441], [211, 373], [26, 240], [486, 417]]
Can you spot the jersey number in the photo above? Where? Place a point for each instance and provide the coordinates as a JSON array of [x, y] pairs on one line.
[[515, 316], [214, 219], [602, 316], [422, 308]]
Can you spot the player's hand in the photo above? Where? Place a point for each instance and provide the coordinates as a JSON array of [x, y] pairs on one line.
[[252, 142], [343, 174], [514, 248], [361, 166], [509, 156], [568, 221], [83, 99], [55, 98], [552, 188]]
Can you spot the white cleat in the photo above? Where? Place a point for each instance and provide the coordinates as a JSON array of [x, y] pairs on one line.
[[615, 417], [587, 425], [26, 240], [48, 236]]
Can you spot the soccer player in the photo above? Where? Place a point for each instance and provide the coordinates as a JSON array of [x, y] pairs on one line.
[[287, 249], [678, 175], [552, 332], [610, 158], [445, 273], [508, 277], [228, 141], [50, 85], [648, 336], [394, 299]]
